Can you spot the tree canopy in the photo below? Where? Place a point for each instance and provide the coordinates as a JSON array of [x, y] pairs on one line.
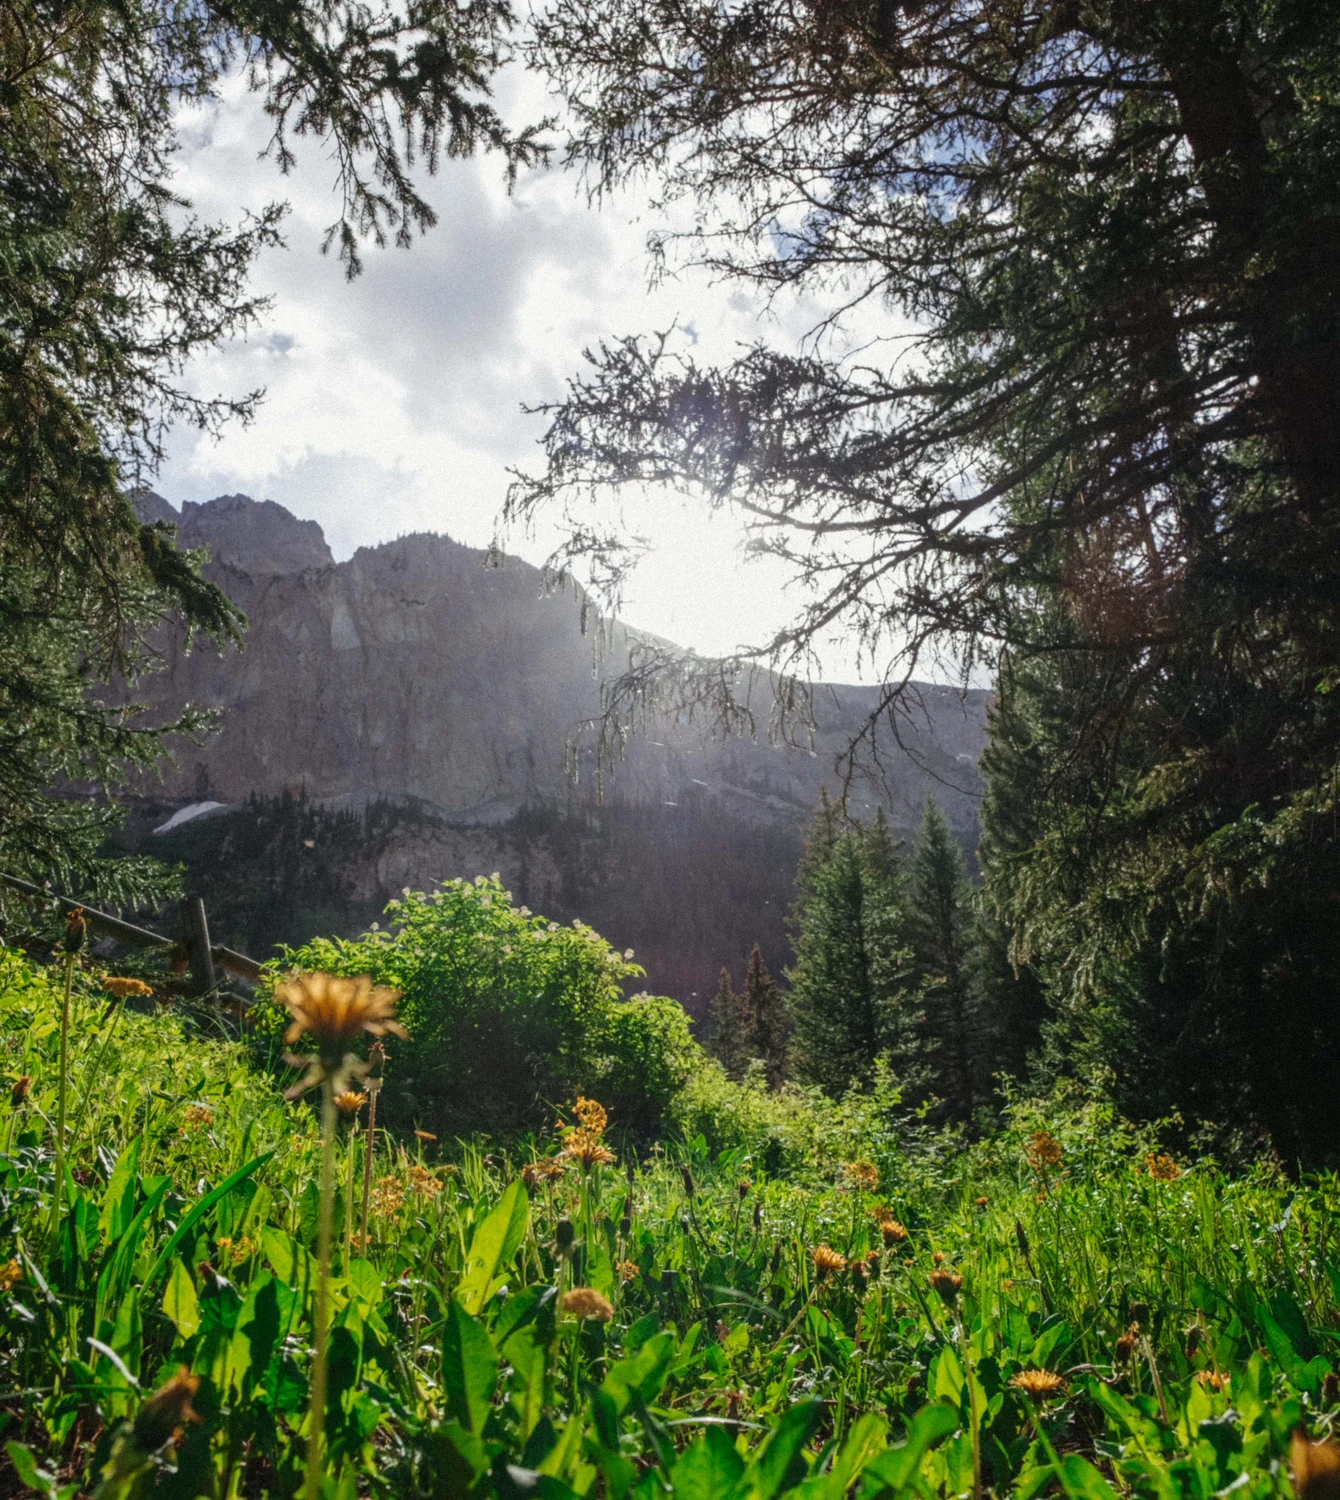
[[109, 284]]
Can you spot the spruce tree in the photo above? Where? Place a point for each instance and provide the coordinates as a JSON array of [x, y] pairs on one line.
[[730, 1029], [771, 1029], [852, 979], [942, 926]]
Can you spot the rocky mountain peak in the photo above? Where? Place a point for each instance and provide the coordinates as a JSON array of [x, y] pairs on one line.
[[257, 537]]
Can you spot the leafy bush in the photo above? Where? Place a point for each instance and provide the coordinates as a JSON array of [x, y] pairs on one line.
[[509, 1015]]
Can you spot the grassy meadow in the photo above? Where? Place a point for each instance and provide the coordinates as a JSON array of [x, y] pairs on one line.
[[871, 1307]]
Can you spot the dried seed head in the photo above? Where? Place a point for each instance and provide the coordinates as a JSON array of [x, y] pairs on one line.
[[425, 1137], [688, 1181], [758, 1217], [593, 1116], [75, 931], [564, 1234], [947, 1285], [1315, 1469], [586, 1302], [1125, 1346], [742, 1187], [861, 1175], [1139, 1314], [19, 1089], [1037, 1385], [160, 1418], [891, 1232]]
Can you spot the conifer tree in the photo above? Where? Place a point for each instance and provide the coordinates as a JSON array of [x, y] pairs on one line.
[[730, 1026], [852, 979], [942, 927], [763, 1001]]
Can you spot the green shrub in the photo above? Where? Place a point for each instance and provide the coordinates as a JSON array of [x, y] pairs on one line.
[[509, 1015]]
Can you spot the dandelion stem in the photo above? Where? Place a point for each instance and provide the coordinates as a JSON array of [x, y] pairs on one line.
[[351, 1143], [61, 1090], [974, 1425], [374, 1088], [312, 1484]]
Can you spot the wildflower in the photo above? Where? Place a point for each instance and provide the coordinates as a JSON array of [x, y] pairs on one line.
[[10, 1273], [160, 1419], [627, 1269], [742, 1187], [891, 1232], [1315, 1468], [122, 988], [334, 1012], [689, 1188], [196, 1117], [564, 1234], [423, 1182], [387, 1196], [981, 1202], [586, 1302], [425, 1137], [827, 1260], [1125, 1345], [18, 1090], [530, 1178], [948, 1285], [350, 1102], [1162, 1168], [1212, 1380], [586, 1150], [862, 1176], [872, 1263], [938, 1256], [75, 931], [1037, 1385], [236, 1250], [593, 1116], [1043, 1152]]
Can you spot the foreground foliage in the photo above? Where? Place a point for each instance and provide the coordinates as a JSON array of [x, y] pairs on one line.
[[559, 1324]]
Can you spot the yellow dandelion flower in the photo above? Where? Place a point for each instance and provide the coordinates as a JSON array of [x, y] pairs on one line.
[[627, 1269], [350, 1101], [1212, 1380], [827, 1261], [122, 988], [586, 1302], [891, 1232], [11, 1273], [585, 1148], [334, 1012], [1038, 1385]]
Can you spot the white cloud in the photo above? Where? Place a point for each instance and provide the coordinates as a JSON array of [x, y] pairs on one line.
[[394, 402]]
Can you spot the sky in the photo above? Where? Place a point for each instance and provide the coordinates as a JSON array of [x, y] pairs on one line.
[[394, 403]]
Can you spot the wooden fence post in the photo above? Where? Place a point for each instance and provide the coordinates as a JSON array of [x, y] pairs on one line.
[[198, 953]]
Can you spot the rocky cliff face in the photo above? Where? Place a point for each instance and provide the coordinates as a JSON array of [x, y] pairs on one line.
[[417, 671]]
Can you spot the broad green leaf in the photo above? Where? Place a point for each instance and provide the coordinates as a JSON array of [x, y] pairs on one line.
[[780, 1463], [869, 1435], [494, 1243], [118, 1202], [469, 1367], [180, 1302], [642, 1374], [1081, 1481], [897, 1468], [709, 1469]]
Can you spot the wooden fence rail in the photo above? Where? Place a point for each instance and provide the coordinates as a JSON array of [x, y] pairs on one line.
[[203, 957]]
